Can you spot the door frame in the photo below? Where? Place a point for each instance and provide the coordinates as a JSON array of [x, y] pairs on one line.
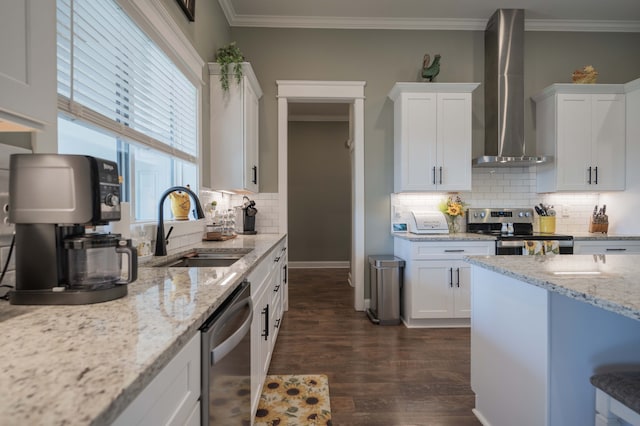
[[351, 92]]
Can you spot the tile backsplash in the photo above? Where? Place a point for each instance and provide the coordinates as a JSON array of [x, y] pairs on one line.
[[506, 187], [188, 233]]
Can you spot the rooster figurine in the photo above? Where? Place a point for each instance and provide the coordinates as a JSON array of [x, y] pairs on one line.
[[430, 71]]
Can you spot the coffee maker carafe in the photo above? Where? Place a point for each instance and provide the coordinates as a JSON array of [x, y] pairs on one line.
[[52, 199]]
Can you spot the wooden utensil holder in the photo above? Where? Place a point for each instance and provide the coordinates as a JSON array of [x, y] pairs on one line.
[[598, 227]]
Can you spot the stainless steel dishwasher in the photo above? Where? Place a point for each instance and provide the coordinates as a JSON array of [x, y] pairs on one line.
[[226, 361]]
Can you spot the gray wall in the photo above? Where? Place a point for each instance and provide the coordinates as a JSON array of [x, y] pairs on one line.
[[319, 192], [382, 57]]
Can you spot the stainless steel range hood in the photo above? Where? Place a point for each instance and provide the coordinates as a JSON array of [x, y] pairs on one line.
[[504, 92]]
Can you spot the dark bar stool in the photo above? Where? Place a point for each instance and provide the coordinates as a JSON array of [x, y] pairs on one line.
[[617, 398]]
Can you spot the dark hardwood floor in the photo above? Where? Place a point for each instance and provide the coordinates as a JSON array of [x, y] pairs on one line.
[[378, 375]]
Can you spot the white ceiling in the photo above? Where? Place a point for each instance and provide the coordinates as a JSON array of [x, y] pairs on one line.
[[540, 15]]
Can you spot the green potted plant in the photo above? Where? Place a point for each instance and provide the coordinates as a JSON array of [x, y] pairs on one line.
[[226, 56]]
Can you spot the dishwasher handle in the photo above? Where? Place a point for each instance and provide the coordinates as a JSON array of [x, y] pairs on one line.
[[232, 341]]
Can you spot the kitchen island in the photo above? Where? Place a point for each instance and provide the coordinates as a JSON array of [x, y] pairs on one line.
[[80, 365], [541, 326]]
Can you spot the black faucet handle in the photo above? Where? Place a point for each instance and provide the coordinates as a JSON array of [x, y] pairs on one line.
[[166, 239]]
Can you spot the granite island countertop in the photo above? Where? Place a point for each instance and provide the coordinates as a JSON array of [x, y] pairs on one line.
[[609, 282], [458, 236], [80, 365]]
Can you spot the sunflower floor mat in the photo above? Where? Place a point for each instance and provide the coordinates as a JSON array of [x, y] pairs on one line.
[[294, 400]]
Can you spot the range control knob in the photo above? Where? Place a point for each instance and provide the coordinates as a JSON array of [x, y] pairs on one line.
[[111, 200], [482, 214], [521, 214]]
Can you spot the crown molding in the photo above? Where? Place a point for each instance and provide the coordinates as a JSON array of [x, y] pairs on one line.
[[357, 23], [442, 24]]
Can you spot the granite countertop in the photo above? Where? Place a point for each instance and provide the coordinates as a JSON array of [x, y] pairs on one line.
[[589, 236], [609, 282], [458, 236], [79, 365], [465, 236]]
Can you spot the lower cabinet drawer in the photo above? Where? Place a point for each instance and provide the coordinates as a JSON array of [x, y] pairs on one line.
[[170, 398], [451, 249]]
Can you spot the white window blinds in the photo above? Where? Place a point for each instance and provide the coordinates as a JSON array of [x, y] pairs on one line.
[[112, 75]]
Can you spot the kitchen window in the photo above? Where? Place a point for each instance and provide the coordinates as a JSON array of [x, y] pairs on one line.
[[122, 98]]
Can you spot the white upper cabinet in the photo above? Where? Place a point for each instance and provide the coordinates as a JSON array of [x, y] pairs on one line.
[[27, 68], [582, 126], [234, 131], [432, 136]]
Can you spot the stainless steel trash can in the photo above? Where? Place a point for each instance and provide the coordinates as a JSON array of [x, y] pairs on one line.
[[385, 281]]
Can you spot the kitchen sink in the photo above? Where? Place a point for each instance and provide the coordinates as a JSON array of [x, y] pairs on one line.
[[206, 259]]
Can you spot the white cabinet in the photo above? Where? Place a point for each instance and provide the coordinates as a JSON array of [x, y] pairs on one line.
[[583, 128], [609, 246], [437, 282], [443, 290], [533, 350], [173, 397], [432, 136], [234, 131], [268, 310], [27, 68], [509, 350]]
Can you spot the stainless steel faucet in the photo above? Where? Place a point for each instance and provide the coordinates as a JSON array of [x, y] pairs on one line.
[[161, 241]]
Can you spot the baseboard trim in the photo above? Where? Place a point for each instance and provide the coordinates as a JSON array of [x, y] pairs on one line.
[[320, 265]]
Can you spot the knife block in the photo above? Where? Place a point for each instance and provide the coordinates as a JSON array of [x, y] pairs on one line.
[[598, 227]]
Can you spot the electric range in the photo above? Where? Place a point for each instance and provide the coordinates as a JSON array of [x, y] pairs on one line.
[[512, 227]]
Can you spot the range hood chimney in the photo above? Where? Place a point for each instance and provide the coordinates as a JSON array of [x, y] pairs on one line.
[[504, 92]]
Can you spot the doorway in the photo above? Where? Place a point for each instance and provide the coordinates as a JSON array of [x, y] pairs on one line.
[[351, 93], [319, 168]]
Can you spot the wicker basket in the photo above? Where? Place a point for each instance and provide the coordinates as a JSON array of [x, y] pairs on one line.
[[587, 75]]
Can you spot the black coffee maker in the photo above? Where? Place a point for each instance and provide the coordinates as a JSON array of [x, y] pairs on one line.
[[246, 217], [52, 200]]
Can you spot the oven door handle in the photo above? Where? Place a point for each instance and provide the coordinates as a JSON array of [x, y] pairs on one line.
[[232, 341]]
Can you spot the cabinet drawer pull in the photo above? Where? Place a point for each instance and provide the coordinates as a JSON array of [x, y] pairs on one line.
[[458, 272], [589, 180], [434, 175], [596, 170], [255, 175], [454, 250], [451, 277], [440, 175], [265, 332], [616, 249]]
